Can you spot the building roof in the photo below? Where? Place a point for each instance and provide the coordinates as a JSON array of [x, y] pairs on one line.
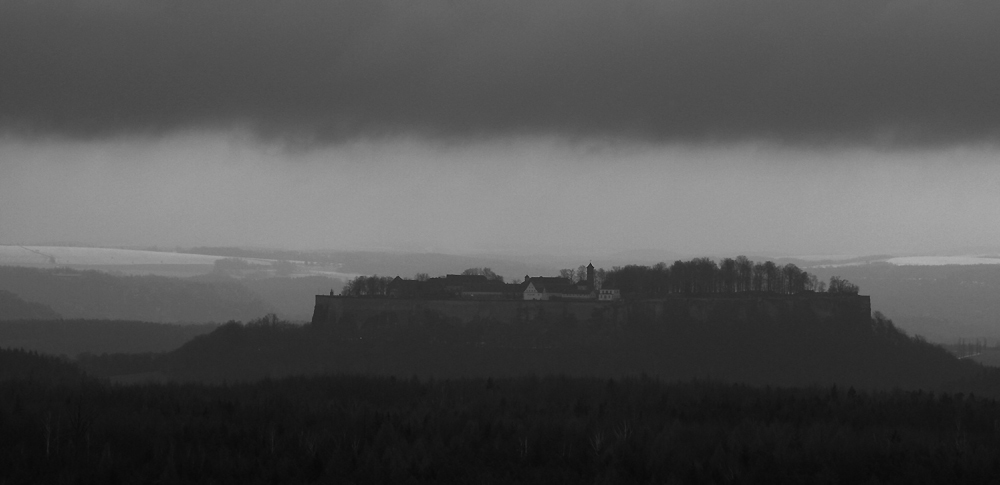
[[399, 284]]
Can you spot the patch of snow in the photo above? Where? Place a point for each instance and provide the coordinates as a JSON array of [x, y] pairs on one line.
[[826, 257], [56, 256], [943, 260], [59, 255]]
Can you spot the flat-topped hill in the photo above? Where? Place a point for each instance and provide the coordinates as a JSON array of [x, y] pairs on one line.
[[778, 340], [734, 307]]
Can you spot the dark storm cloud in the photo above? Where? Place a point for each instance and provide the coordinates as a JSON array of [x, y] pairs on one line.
[[800, 71]]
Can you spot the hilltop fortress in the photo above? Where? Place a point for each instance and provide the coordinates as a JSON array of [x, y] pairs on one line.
[[481, 287], [475, 299]]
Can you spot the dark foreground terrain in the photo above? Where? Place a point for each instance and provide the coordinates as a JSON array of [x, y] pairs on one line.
[[869, 353], [760, 401], [72, 337], [59, 426]]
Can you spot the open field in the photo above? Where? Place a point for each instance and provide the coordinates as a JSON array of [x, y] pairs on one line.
[[964, 260], [137, 261], [943, 260], [70, 256]]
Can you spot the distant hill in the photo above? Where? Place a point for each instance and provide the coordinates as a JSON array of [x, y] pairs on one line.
[[23, 365], [943, 303], [74, 337], [646, 257], [392, 263], [98, 295], [12, 307], [157, 262], [291, 298]]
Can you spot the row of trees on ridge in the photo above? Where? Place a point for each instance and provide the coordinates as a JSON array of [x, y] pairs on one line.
[[374, 285], [699, 275], [704, 275]]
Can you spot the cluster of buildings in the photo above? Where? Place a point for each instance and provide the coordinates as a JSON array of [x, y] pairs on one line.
[[481, 287]]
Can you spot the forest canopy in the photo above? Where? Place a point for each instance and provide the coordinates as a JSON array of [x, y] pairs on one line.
[[704, 275]]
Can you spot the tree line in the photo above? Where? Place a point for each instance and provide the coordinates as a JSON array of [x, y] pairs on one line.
[[704, 275], [362, 285], [376, 285], [698, 275]]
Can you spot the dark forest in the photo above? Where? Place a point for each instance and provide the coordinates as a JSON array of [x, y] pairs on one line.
[[59, 426]]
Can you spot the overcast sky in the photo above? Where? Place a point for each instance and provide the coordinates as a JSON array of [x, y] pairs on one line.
[[697, 126]]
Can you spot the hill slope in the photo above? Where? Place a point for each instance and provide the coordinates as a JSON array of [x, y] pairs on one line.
[[13, 307], [870, 354], [74, 337], [21, 365], [291, 298], [942, 303], [97, 295]]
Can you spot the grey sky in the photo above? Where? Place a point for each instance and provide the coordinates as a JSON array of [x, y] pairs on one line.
[[796, 71], [520, 195], [589, 126]]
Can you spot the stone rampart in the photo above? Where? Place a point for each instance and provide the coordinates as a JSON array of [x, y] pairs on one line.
[[750, 307], [360, 311], [742, 307]]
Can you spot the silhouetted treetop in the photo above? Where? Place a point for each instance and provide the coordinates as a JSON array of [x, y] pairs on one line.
[[487, 272], [374, 285], [840, 285], [705, 276]]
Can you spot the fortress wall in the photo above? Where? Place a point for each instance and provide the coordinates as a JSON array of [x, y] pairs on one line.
[[672, 310], [335, 309], [752, 307]]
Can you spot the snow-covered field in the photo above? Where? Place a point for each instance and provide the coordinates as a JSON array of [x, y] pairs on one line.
[[966, 260], [145, 262], [69, 256], [943, 260]]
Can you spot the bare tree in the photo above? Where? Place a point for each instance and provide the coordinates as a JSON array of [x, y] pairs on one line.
[[705, 274], [840, 285], [794, 278], [729, 274], [772, 277], [744, 272], [812, 283], [487, 272], [366, 286], [759, 277]]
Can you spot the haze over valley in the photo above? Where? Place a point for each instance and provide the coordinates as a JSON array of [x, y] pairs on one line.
[[944, 298]]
